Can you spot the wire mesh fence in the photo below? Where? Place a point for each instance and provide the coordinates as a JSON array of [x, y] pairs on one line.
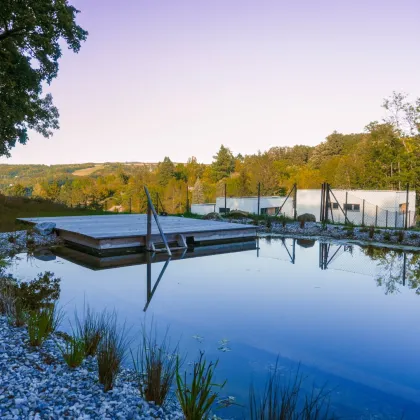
[[394, 212]]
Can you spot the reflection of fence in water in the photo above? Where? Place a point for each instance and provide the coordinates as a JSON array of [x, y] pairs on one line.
[[287, 250]]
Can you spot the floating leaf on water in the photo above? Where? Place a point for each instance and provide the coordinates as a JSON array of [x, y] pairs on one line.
[[223, 341], [224, 349], [198, 338]]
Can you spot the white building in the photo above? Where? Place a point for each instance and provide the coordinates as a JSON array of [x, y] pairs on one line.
[[368, 207], [203, 209]]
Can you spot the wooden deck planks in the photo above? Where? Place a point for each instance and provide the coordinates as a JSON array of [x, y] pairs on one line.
[[127, 230]]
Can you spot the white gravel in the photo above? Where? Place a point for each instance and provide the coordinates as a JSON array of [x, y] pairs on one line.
[[37, 384]]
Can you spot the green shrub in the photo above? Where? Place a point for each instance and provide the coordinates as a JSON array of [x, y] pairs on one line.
[[371, 231], [197, 398], [400, 235], [155, 366], [387, 236], [43, 322]]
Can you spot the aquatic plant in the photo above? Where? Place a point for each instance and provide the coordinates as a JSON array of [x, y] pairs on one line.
[[74, 352], [371, 231], [400, 235], [155, 365], [197, 398], [387, 236], [286, 401], [111, 352]]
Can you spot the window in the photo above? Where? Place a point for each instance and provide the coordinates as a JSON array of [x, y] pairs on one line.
[[224, 210], [352, 207]]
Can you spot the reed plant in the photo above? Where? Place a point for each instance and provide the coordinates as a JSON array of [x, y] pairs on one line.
[[90, 329], [112, 349], [42, 323], [197, 398], [74, 352], [155, 365], [287, 401]]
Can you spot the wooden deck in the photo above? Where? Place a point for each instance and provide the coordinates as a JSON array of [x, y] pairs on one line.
[[119, 232]]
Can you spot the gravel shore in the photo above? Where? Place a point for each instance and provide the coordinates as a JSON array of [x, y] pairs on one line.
[[37, 384], [23, 241]]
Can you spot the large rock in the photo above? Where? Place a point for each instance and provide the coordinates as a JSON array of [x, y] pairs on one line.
[[306, 217], [213, 216], [45, 228]]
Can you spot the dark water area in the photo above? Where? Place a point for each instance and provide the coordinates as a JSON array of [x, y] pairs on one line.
[[347, 317]]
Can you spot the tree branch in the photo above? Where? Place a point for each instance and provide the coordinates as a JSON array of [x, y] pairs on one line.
[[10, 32]]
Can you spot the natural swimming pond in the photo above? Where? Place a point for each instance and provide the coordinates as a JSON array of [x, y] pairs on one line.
[[349, 315]]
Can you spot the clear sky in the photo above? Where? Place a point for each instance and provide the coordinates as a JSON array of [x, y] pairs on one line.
[[180, 77]]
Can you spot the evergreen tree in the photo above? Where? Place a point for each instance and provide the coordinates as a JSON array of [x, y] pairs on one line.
[[223, 165]]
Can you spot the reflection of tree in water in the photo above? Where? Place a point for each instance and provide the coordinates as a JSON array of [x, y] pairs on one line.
[[396, 268]]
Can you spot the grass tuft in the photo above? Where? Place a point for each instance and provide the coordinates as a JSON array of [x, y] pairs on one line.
[[74, 352], [111, 352], [90, 330], [286, 401], [197, 398], [155, 365]]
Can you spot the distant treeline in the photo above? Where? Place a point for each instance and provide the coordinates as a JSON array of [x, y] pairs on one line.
[[385, 156]]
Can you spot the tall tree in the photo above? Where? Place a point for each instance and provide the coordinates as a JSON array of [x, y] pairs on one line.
[[198, 192], [223, 164], [31, 32], [166, 171]]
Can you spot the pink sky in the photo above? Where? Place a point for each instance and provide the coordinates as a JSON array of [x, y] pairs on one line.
[[179, 78]]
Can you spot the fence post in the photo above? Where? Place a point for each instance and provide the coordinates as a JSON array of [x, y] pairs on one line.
[[259, 192], [225, 199], [345, 208], [327, 201], [188, 202], [295, 202], [130, 205], [409, 218], [386, 219], [396, 215], [406, 206], [376, 216], [157, 203], [321, 212], [363, 213]]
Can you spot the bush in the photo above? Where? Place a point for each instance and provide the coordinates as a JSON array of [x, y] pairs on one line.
[[111, 352], [371, 231], [155, 366], [196, 399], [400, 235], [387, 236]]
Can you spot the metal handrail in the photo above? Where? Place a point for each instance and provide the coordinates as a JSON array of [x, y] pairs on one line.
[[150, 210]]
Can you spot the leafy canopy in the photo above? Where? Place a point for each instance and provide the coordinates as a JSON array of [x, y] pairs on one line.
[[30, 35]]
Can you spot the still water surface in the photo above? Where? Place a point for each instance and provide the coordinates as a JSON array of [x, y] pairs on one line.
[[349, 315]]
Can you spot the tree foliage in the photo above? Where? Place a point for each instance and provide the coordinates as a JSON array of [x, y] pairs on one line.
[[31, 34]]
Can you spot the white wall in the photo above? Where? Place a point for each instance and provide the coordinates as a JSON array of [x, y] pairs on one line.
[[248, 204], [203, 209], [309, 201]]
